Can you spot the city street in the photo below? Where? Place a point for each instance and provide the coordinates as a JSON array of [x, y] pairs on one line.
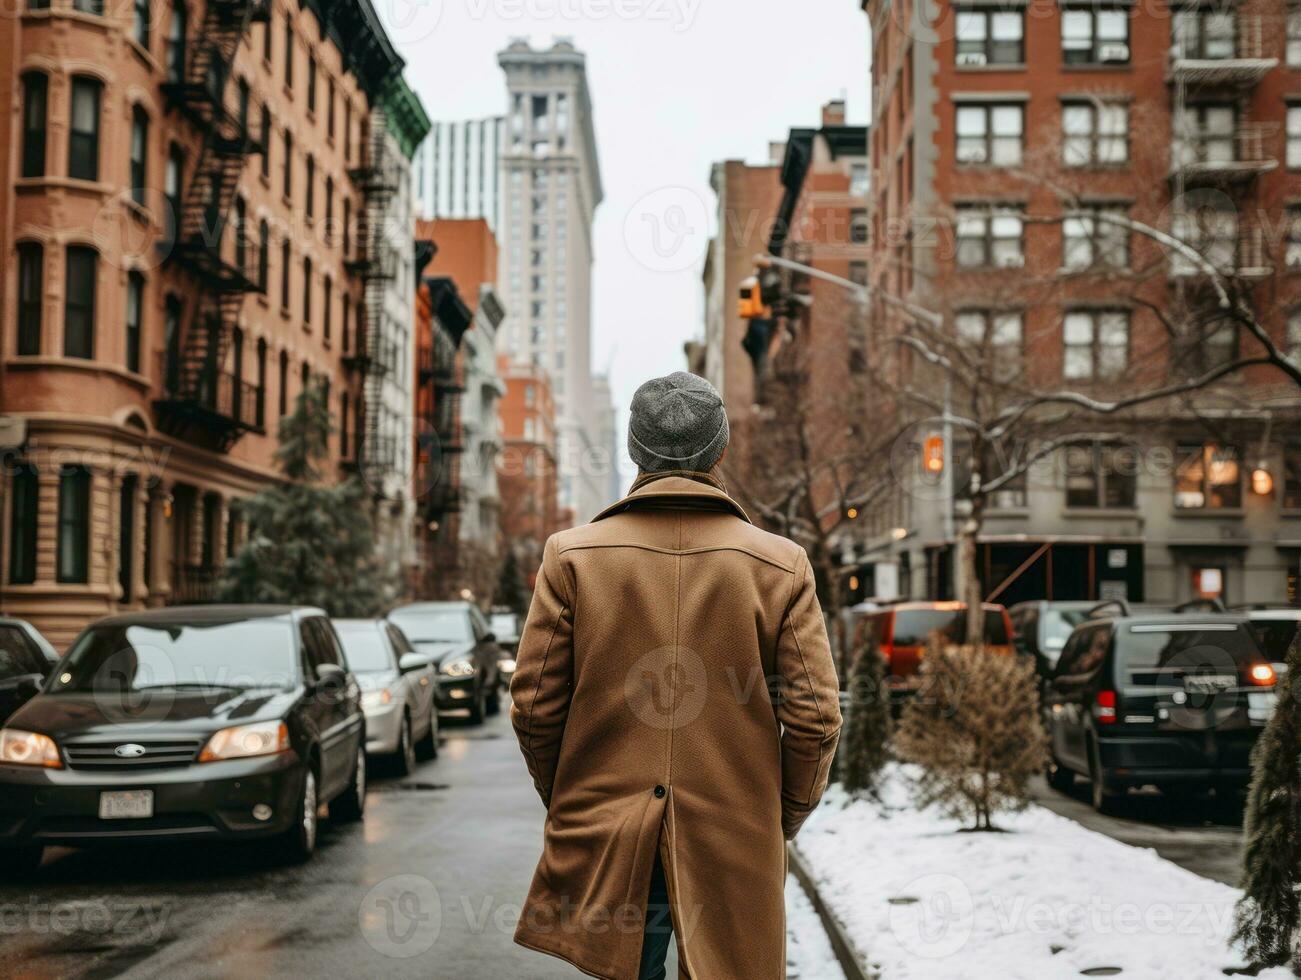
[[429, 886]]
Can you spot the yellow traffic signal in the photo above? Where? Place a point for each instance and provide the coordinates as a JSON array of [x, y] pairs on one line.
[[933, 455], [751, 305]]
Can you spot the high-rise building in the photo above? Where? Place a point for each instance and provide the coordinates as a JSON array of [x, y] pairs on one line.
[[177, 212], [457, 170]]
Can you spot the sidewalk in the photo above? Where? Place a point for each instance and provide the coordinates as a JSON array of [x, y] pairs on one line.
[[922, 900]]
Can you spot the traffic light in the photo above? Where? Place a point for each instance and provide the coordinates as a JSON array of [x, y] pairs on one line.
[[933, 455], [751, 305]]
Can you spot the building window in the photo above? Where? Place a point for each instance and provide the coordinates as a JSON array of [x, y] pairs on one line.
[[95, 7], [986, 238], [347, 131], [1294, 336], [36, 88], [284, 274], [1212, 231], [1205, 34], [1292, 477], [289, 51], [1207, 477], [1213, 345], [243, 95], [345, 416], [1101, 475], [1208, 133], [139, 154], [1095, 36], [1089, 240], [859, 180], [1095, 344], [990, 134], [345, 314], [263, 254], [311, 83], [284, 384], [261, 384], [241, 236], [83, 135], [1094, 133], [31, 287], [1294, 37], [172, 343], [267, 40], [347, 229], [79, 302], [140, 25], [327, 307], [309, 205], [74, 524], [172, 191], [266, 143], [858, 226], [288, 188], [135, 305], [1294, 137], [175, 54], [996, 339], [24, 499], [329, 210], [990, 37], [329, 108], [307, 291]]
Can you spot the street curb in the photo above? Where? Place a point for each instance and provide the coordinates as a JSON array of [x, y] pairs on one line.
[[851, 960]]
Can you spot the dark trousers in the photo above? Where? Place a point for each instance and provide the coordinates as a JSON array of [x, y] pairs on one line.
[[659, 927]]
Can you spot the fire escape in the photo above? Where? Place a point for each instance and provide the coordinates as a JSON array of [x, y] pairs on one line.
[[375, 265], [202, 402], [442, 370]]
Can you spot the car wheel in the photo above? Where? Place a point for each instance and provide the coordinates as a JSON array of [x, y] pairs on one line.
[[405, 757], [351, 804], [1059, 777], [428, 746], [479, 708], [1103, 797], [300, 838], [21, 862]]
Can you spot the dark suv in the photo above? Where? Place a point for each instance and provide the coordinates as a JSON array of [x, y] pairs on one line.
[[1176, 699], [186, 723]]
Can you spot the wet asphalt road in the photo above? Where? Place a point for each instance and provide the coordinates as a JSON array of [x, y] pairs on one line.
[[1203, 835], [428, 886]]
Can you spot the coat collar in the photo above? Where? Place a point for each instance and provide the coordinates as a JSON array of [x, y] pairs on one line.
[[676, 486]]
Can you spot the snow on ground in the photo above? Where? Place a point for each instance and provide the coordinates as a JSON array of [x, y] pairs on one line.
[[808, 950], [1046, 899]]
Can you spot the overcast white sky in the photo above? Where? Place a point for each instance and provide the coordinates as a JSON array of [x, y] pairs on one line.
[[676, 85]]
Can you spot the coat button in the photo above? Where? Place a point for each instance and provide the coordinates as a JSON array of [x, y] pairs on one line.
[[659, 792]]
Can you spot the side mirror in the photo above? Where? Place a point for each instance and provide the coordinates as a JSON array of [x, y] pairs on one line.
[[329, 672], [411, 662]]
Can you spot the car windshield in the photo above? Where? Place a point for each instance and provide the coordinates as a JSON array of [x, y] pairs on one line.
[[913, 627], [257, 653], [1058, 624], [505, 625], [1180, 647], [365, 648], [18, 654], [436, 626], [1275, 636]]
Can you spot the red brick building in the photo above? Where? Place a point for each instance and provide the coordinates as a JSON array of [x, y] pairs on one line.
[[526, 469]]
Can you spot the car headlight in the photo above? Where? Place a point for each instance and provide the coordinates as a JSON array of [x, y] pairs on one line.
[[19, 748], [246, 741], [376, 699], [458, 667]]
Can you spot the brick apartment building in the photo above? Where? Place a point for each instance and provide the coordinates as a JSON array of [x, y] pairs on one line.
[[177, 213], [1003, 135], [527, 468]]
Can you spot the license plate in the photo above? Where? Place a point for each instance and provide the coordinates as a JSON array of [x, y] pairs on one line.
[[1209, 683], [126, 805]]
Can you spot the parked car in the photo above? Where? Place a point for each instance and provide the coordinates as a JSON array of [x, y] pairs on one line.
[[397, 691], [903, 629], [456, 639], [26, 660], [506, 626], [1042, 627], [187, 723], [1172, 699], [1276, 628]]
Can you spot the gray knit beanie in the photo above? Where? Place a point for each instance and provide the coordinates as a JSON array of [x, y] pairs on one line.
[[677, 423]]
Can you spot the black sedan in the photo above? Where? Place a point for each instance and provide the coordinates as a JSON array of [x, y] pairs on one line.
[[456, 638], [26, 660], [230, 722]]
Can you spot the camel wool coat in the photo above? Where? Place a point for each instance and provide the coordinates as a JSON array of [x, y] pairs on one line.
[[674, 692]]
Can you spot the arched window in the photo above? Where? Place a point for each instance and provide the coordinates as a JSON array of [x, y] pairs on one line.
[[172, 191], [284, 383], [307, 291], [263, 254], [241, 236], [261, 384], [135, 305], [139, 154], [176, 43], [83, 129], [284, 274], [79, 302], [343, 424], [237, 359], [140, 25], [327, 304], [310, 204], [36, 89], [31, 288]]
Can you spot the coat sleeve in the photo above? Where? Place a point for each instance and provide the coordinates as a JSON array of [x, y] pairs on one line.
[[809, 706], [543, 683]]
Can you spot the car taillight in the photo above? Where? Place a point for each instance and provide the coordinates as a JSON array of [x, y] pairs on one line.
[[1104, 707], [887, 651], [1263, 675]]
